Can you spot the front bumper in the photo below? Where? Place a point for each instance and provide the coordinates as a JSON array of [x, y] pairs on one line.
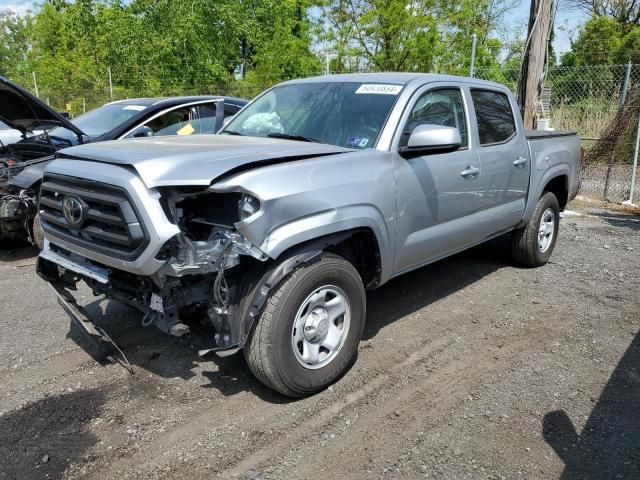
[[62, 272], [101, 343]]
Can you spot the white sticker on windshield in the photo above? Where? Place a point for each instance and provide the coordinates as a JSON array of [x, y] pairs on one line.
[[379, 89], [137, 108]]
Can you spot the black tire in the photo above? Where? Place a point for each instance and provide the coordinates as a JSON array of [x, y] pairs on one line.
[[525, 248], [269, 352], [38, 233]]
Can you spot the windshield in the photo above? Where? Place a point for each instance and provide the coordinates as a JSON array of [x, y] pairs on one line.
[[100, 120], [347, 114]]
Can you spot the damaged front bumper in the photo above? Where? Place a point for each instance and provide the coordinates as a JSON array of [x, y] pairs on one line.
[[163, 301]]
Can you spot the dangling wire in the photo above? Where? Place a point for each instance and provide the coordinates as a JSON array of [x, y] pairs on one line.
[[220, 285]]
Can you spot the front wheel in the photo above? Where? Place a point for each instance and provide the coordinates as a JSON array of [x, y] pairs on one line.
[[308, 333], [532, 245], [38, 233]]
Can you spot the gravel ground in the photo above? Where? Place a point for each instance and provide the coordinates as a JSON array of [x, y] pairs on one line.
[[469, 368]]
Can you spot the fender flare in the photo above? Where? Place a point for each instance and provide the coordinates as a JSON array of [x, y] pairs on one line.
[[249, 312], [302, 230], [536, 193]]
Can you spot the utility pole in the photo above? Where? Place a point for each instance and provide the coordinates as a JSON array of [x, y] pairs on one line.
[[35, 84], [535, 59], [472, 67], [110, 84], [327, 70]]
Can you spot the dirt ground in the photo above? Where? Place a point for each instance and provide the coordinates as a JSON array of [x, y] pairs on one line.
[[469, 368]]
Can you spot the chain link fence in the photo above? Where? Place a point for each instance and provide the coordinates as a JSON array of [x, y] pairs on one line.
[[600, 103]]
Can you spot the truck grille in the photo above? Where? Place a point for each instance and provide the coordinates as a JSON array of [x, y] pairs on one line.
[[93, 215]]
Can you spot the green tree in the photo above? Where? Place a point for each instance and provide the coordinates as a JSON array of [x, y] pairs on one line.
[[598, 43], [14, 46], [419, 35]]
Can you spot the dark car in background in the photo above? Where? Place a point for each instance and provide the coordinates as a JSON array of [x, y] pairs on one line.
[[22, 163]]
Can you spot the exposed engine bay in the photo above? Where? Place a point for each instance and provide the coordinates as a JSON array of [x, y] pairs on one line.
[[209, 267], [17, 205]]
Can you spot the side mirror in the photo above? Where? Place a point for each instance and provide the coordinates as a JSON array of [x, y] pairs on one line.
[[142, 132], [428, 138], [226, 121]]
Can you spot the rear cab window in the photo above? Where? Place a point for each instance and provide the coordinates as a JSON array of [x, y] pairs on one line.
[[494, 116]]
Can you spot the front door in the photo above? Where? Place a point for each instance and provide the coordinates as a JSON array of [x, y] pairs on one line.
[[436, 192]]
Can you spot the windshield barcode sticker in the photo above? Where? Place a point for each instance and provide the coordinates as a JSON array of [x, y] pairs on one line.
[[138, 108], [379, 89]]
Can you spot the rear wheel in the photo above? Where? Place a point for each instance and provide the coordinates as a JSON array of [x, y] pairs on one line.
[[532, 245], [308, 333]]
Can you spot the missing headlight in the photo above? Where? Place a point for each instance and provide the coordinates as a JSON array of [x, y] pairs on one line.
[[248, 206], [201, 213]]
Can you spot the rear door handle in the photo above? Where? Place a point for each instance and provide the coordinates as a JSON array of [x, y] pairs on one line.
[[470, 172], [519, 162]]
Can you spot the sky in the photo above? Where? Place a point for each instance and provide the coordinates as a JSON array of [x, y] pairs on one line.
[[567, 20], [566, 23]]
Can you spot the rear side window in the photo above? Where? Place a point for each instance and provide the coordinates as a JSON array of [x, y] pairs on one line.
[[494, 115]]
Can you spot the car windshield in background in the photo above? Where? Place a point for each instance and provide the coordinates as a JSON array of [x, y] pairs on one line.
[[101, 120], [349, 114]]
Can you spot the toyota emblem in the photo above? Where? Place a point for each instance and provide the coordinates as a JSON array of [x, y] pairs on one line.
[[74, 210]]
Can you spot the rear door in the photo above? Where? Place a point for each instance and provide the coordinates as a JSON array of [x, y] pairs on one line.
[[504, 157]]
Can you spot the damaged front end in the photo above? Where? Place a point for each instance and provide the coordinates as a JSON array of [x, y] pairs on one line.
[[17, 205], [207, 274]]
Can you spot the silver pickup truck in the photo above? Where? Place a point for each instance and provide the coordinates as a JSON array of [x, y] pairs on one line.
[[269, 232]]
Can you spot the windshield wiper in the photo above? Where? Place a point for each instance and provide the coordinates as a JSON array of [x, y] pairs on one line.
[[289, 136], [233, 132]]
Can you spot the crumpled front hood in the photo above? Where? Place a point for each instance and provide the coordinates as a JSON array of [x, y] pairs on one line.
[[195, 160]]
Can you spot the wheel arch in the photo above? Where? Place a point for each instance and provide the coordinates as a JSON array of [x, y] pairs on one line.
[[559, 186], [555, 180], [345, 243]]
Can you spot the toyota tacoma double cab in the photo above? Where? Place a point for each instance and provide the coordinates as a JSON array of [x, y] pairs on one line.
[[269, 232]]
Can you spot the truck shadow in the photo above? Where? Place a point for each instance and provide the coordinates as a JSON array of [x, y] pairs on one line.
[[609, 444], [418, 289], [165, 356], [12, 252], [624, 220], [42, 439], [168, 357]]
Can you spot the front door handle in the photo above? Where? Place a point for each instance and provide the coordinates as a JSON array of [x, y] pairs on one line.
[[470, 172], [519, 162]]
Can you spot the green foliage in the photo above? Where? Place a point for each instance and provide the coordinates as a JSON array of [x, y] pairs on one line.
[[416, 35], [604, 41], [236, 47], [156, 47], [14, 44], [597, 44]]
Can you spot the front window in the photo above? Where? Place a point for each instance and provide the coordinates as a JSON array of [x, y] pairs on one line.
[[439, 107], [348, 114]]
